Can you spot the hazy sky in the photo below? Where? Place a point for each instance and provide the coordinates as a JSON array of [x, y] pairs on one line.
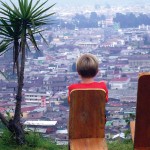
[[93, 2]]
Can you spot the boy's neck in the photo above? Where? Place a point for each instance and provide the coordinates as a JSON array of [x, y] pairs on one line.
[[87, 80]]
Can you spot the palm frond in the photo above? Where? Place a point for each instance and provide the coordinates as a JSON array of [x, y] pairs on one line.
[[25, 4], [8, 28], [3, 75], [21, 7], [40, 12], [12, 24], [43, 38], [16, 9], [33, 7], [8, 9], [28, 11], [43, 17], [3, 47], [28, 47], [31, 37], [36, 8]]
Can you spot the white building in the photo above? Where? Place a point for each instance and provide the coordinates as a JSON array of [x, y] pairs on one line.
[[36, 97], [119, 83]]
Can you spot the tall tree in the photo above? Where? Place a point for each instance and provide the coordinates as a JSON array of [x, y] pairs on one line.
[[18, 24]]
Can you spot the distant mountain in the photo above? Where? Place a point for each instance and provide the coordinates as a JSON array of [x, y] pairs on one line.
[[100, 2]]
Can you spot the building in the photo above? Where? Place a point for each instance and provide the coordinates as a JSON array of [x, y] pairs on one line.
[[41, 126], [37, 97], [119, 83]]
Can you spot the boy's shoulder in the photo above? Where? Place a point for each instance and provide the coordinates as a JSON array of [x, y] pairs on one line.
[[74, 85], [93, 84]]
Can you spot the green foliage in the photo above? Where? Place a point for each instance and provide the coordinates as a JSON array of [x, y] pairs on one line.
[[127, 133], [34, 141], [1, 73], [18, 26], [3, 46], [1, 126], [132, 116], [47, 144], [7, 137], [120, 145], [131, 20], [22, 23], [8, 116]]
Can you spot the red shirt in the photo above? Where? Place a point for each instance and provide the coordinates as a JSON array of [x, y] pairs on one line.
[[93, 85]]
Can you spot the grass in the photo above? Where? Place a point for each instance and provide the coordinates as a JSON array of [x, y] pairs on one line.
[[120, 145], [45, 144], [35, 141]]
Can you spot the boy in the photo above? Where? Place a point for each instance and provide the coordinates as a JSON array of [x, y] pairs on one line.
[[87, 68]]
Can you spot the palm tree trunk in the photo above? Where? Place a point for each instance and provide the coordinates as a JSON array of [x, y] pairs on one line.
[[15, 123], [20, 82]]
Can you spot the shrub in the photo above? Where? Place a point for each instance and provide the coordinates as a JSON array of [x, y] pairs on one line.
[[7, 137]]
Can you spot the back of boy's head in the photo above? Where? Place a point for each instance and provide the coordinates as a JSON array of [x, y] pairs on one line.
[[87, 66]]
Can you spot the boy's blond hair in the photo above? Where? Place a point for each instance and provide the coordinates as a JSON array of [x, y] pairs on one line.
[[87, 65]]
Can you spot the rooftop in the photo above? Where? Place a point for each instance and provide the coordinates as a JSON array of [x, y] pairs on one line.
[[40, 123]]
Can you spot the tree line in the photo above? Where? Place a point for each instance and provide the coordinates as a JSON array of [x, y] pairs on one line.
[[93, 20], [81, 21], [131, 20]]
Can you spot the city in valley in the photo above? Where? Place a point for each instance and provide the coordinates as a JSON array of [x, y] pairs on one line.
[[122, 47]]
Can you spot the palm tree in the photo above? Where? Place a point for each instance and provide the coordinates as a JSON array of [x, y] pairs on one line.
[[17, 27]]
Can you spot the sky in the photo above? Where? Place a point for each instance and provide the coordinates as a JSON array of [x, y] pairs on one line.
[[104, 2], [93, 2]]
